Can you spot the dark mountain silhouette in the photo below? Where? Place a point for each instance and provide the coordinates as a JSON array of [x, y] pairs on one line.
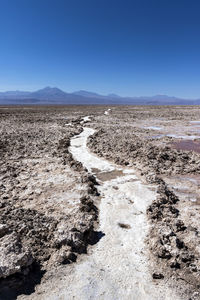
[[56, 96]]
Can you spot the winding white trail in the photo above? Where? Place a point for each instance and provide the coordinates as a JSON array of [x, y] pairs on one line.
[[117, 267]]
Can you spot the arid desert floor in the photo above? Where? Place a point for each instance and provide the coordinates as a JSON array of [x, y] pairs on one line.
[[100, 202]]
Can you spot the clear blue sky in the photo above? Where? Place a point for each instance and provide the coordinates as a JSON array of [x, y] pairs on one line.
[[129, 47]]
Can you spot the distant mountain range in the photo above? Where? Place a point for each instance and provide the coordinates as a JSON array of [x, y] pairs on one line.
[[55, 96]]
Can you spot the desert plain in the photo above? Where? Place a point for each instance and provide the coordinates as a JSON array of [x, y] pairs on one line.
[[99, 202]]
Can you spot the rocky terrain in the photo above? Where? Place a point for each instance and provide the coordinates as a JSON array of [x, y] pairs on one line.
[[47, 210], [50, 201]]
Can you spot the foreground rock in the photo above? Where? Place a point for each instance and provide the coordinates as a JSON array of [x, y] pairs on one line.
[[13, 256]]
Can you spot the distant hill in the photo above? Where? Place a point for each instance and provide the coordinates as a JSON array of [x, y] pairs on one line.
[[87, 94], [56, 96], [113, 96], [49, 93], [13, 94]]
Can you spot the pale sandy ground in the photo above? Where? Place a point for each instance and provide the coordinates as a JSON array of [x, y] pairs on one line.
[[117, 267]]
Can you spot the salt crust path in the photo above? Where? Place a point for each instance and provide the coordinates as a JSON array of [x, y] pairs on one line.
[[117, 267]]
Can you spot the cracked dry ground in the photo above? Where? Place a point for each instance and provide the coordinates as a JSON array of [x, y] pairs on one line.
[[49, 202]]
